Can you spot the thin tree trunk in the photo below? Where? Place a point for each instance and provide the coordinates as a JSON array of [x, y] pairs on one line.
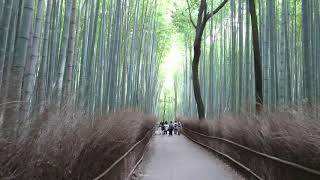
[[1, 9], [240, 62], [63, 50], [84, 59], [306, 50], [233, 89], [175, 96], [67, 82]]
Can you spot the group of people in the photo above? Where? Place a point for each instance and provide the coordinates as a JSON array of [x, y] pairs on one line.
[[170, 128]]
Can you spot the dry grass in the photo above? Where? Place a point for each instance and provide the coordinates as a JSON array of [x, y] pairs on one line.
[[71, 147], [291, 135]]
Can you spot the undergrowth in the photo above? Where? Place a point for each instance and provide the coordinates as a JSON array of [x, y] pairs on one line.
[[69, 146], [292, 135]]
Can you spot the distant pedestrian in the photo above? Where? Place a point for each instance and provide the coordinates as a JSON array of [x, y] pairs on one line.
[[171, 128], [175, 124], [179, 128], [166, 127], [159, 131], [163, 128]]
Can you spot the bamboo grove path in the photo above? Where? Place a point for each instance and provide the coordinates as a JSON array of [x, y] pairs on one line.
[[177, 158]]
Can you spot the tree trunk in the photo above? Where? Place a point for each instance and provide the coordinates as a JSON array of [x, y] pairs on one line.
[[9, 57], [11, 113], [67, 82], [175, 96], [233, 87], [203, 17], [1, 8], [306, 51], [257, 57], [240, 62], [84, 59], [42, 78], [195, 77], [4, 29], [31, 64], [201, 22], [63, 50]]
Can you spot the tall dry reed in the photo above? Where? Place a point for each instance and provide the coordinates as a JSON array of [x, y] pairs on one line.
[[69, 146], [291, 135]]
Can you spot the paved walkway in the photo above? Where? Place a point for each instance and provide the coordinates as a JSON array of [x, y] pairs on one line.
[[177, 158]]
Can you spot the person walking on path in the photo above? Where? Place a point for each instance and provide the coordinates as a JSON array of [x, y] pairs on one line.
[[171, 128], [166, 127], [175, 127], [179, 128], [163, 128]]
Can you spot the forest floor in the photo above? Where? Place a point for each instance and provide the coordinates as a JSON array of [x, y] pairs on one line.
[[177, 158]]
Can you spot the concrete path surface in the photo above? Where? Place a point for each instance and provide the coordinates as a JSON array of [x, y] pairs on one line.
[[177, 158]]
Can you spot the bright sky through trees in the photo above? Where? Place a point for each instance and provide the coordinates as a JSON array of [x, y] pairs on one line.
[[172, 62], [172, 65], [171, 68]]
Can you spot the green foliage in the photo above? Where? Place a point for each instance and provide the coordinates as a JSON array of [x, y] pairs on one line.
[[164, 33]]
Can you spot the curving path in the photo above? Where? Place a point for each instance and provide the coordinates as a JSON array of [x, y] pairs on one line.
[[177, 158]]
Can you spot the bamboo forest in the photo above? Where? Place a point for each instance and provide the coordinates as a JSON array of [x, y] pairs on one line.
[[138, 89]]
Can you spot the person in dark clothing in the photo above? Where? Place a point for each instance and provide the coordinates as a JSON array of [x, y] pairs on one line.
[[162, 128], [171, 128]]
